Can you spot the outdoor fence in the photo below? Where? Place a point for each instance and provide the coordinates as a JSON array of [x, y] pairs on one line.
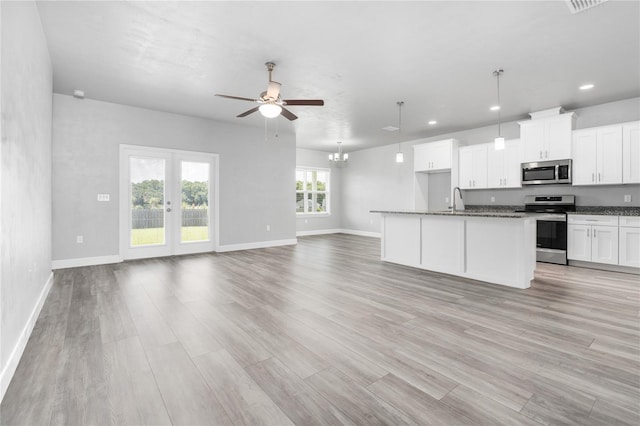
[[154, 218]]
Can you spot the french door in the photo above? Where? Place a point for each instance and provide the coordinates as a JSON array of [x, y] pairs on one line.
[[167, 202]]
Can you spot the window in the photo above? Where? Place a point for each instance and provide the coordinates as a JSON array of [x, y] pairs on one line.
[[312, 191]]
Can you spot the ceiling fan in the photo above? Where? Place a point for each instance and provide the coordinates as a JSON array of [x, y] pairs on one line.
[[271, 105]]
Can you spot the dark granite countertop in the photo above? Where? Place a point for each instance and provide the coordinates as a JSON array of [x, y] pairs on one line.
[[608, 210], [474, 213], [595, 210]]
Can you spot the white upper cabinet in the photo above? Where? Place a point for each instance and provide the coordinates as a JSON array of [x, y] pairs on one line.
[[504, 165], [472, 166], [631, 152], [434, 156], [597, 156], [547, 138]]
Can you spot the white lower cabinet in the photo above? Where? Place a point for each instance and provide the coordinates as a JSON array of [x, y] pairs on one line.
[[629, 241], [592, 238], [402, 239]]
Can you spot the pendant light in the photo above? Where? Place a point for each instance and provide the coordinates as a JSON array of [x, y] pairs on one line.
[[339, 157], [399, 154], [499, 141]]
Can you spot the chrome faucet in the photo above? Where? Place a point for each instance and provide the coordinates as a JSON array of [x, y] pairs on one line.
[[453, 208]]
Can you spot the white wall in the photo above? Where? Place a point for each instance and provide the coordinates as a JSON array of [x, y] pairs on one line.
[[374, 181], [318, 224], [257, 177], [25, 212]]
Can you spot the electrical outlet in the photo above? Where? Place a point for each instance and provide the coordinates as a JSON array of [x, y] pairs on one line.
[[268, 227], [446, 199], [103, 197], [627, 198], [79, 239], [493, 199]]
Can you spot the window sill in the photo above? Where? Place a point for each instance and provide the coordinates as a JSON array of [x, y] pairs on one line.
[[306, 215]]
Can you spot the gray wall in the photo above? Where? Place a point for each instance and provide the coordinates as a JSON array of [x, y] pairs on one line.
[[256, 176], [25, 213], [311, 158], [373, 180]]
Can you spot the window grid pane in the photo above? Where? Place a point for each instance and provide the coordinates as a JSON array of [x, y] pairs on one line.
[[312, 189]]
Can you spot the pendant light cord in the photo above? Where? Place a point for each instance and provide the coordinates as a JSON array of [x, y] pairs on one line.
[[497, 73], [400, 103]]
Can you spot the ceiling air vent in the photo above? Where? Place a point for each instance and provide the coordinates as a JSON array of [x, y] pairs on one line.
[[577, 6]]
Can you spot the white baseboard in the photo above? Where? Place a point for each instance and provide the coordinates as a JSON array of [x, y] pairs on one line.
[[256, 245], [361, 233], [318, 232], [16, 353], [85, 261]]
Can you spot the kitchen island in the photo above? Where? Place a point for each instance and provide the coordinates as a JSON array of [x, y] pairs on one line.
[[495, 247]]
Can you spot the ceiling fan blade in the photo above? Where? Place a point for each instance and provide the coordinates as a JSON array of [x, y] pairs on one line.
[[288, 114], [273, 90], [236, 97], [251, 111], [311, 102]]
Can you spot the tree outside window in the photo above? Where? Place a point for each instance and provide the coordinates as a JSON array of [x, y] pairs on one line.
[[312, 191]]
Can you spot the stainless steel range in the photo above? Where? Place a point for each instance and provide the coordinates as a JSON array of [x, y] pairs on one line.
[[550, 212]]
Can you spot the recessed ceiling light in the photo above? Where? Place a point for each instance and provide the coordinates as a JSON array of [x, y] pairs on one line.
[[495, 108], [390, 128], [432, 122], [586, 86]]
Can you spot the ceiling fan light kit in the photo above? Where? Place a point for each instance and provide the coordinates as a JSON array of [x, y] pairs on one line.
[[270, 110], [271, 104]]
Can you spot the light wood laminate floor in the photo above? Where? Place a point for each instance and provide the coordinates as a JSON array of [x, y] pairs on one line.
[[324, 333]]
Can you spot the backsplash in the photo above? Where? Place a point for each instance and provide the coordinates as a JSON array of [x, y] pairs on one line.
[[606, 195]]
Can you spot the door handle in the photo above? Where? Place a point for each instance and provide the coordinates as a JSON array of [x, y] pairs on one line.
[[168, 209]]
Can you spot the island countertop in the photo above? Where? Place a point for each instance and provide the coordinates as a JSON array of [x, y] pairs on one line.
[[474, 213]]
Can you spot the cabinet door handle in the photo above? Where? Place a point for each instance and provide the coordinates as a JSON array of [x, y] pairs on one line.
[[594, 233], [593, 178], [541, 155], [599, 177], [588, 233], [546, 154]]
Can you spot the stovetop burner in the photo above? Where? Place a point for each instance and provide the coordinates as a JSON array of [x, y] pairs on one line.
[[549, 203]]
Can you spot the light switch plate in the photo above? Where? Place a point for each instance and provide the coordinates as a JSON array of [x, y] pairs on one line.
[[627, 198], [103, 197], [493, 199]]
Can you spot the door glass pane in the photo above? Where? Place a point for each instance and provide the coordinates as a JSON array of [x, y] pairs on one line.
[[147, 201], [195, 201]]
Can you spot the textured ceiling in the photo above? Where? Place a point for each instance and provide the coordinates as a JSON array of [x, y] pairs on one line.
[[360, 57]]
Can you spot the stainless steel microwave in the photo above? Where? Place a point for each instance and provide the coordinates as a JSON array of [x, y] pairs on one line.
[[546, 172]]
